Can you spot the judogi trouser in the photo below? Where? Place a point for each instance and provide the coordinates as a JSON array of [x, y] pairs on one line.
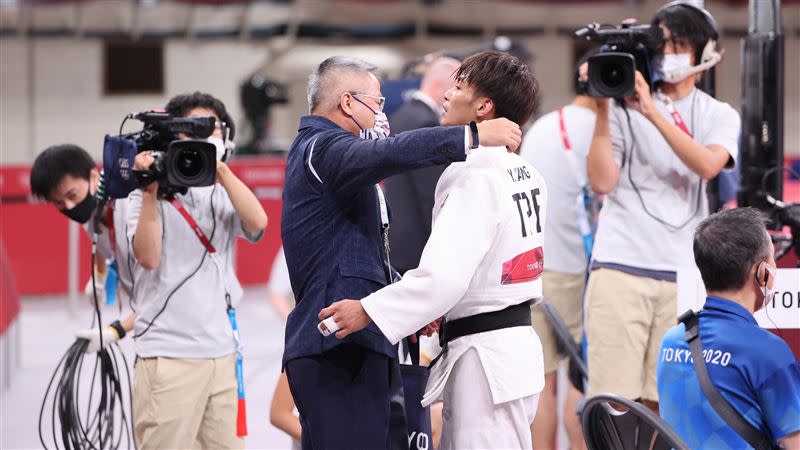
[[349, 398], [471, 419]]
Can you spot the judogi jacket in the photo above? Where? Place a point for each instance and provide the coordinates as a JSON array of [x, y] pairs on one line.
[[331, 225], [484, 254]]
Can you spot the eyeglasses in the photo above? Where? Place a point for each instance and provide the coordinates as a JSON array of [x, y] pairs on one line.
[[381, 101]]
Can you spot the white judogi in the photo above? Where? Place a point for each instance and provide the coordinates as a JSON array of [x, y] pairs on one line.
[[483, 255]]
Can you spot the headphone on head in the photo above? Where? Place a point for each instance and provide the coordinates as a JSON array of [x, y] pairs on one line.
[[709, 57]]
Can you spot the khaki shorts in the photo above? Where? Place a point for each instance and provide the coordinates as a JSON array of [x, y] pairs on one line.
[[564, 291], [185, 403], [626, 319]]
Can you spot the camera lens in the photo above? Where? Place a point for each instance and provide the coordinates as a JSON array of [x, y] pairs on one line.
[[613, 75], [189, 163]]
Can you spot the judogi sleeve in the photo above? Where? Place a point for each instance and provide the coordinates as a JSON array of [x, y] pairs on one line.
[[462, 233]]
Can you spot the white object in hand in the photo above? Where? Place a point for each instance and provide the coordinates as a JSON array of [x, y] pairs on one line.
[[327, 326], [91, 335]]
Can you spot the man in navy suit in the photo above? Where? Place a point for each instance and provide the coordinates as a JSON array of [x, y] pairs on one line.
[[335, 236]]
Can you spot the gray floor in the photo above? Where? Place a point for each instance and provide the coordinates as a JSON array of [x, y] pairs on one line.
[[45, 330]]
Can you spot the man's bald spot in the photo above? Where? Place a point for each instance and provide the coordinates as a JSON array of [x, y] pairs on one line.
[[441, 70]]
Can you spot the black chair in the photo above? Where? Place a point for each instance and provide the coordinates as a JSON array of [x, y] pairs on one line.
[[566, 345], [605, 428]]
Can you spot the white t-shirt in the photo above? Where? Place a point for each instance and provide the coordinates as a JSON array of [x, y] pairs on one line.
[[671, 192], [119, 251], [279, 276], [194, 324], [544, 148]]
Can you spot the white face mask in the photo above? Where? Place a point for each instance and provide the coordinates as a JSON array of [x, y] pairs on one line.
[[378, 131], [220, 146], [675, 67]]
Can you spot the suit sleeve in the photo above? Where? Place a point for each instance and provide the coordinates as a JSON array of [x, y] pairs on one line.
[[448, 263], [342, 161]]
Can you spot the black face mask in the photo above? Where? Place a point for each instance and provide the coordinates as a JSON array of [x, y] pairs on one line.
[[83, 211]]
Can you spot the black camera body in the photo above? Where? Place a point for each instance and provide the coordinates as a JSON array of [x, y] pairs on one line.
[[179, 163], [623, 51]]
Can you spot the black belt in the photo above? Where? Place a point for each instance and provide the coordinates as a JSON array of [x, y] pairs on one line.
[[513, 316]]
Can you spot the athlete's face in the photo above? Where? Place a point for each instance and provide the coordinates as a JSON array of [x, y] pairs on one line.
[[463, 104]]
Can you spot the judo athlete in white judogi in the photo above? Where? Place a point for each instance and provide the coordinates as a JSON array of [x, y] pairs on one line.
[[484, 258]]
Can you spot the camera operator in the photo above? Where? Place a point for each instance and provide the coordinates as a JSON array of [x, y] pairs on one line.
[[66, 177], [185, 387], [753, 370], [652, 155]]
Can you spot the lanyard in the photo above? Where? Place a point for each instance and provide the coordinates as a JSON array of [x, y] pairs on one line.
[[675, 115], [195, 227], [385, 232], [583, 201], [241, 412], [112, 233]]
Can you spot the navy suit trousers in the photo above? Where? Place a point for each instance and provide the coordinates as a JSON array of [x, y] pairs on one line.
[[349, 398]]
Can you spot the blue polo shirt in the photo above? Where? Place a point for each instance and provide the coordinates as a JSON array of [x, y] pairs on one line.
[[754, 370]]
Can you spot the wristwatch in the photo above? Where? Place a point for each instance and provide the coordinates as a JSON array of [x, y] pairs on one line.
[[473, 128]]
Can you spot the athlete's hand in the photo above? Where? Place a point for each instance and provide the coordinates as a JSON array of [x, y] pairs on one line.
[[348, 315], [499, 133]]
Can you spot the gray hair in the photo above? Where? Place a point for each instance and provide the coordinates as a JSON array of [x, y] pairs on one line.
[[322, 80]]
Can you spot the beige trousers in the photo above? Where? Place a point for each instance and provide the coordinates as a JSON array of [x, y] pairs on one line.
[[564, 291], [185, 403], [627, 316]]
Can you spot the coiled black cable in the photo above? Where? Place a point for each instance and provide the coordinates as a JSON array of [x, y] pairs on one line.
[[105, 423]]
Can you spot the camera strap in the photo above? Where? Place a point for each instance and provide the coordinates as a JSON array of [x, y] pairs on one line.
[[583, 202], [675, 115], [112, 233], [195, 227], [722, 407]]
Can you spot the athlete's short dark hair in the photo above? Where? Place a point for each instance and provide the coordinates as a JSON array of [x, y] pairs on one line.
[[504, 79]]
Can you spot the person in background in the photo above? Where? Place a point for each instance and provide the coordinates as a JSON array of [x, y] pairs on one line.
[[67, 177], [557, 145], [279, 288], [186, 391], [652, 156], [411, 193], [754, 370]]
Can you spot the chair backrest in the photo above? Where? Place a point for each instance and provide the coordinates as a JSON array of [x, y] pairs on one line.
[[638, 428]]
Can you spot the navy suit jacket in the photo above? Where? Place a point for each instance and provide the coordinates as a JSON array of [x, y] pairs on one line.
[[331, 226]]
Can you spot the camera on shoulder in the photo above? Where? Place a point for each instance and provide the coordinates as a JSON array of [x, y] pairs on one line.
[[624, 50]]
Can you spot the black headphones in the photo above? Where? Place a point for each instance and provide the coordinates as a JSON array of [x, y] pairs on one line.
[[766, 273], [709, 54], [702, 11]]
